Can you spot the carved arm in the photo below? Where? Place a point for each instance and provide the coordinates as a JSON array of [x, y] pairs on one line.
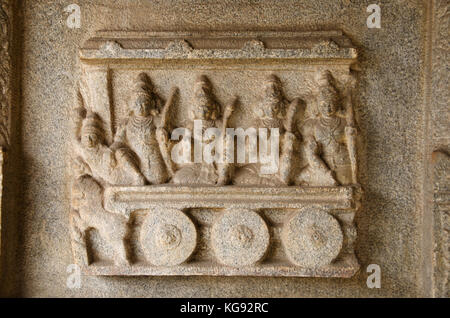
[[119, 138], [312, 154]]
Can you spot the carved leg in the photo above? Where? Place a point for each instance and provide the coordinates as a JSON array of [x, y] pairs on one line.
[[286, 157], [79, 244], [120, 248]]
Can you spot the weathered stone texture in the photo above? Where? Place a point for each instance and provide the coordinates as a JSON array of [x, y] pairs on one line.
[[439, 142], [441, 189], [392, 119]]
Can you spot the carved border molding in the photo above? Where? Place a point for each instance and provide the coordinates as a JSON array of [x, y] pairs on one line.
[[242, 45], [127, 199]]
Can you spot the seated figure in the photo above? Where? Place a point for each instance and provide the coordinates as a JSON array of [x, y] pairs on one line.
[[143, 134], [273, 111], [98, 160], [206, 109], [328, 140]]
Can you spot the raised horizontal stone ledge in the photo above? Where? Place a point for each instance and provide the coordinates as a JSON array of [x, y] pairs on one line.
[[345, 268], [128, 199], [219, 45]]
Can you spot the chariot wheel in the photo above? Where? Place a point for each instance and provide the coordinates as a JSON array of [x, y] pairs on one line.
[[240, 237], [312, 238], [168, 237]]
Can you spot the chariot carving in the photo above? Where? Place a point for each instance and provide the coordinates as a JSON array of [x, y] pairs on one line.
[[191, 160]]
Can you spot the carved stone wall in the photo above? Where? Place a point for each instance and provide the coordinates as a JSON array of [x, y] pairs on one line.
[[355, 185]]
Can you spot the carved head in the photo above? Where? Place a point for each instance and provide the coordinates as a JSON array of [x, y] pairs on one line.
[[91, 131], [86, 193], [328, 101], [143, 102], [271, 105], [204, 105]]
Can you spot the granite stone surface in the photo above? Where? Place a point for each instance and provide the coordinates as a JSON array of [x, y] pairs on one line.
[[391, 112]]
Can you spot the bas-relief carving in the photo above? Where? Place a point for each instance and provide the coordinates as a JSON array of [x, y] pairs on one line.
[[205, 107], [329, 138], [136, 212], [88, 213], [143, 133], [273, 111]]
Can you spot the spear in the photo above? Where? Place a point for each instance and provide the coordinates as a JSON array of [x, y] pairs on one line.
[[288, 142], [163, 137]]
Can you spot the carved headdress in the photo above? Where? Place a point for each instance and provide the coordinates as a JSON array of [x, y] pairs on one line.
[[327, 85], [143, 90], [272, 100], [143, 86], [204, 97], [273, 79]]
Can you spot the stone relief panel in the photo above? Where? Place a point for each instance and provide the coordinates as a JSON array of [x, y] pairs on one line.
[[215, 154]]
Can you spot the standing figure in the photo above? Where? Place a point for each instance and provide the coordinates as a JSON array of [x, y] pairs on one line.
[[329, 143], [273, 112], [142, 132], [206, 109], [97, 159]]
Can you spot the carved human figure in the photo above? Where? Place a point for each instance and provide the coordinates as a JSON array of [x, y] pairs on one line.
[[88, 213], [328, 139], [97, 159], [144, 134], [207, 110], [273, 111]]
